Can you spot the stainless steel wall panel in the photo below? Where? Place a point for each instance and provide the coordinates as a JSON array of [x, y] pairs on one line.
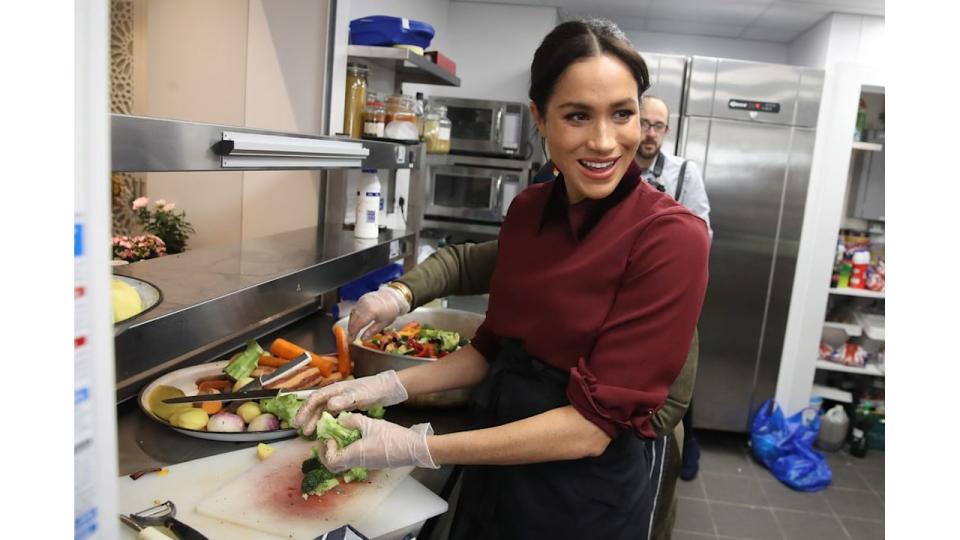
[[744, 174], [695, 137], [702, 80], [785, 263], [808, 97], [666, 82], [756, 81]]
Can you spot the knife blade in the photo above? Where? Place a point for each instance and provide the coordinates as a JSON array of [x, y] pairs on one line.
[[254, 389], [279, 373], [238, 396]]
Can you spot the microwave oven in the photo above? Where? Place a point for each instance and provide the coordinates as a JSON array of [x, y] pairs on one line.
[[475, 190], [487, 128]]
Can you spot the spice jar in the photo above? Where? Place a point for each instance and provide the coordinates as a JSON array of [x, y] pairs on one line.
[[436, 130], [374, 119], [401, 119], [355, 100]]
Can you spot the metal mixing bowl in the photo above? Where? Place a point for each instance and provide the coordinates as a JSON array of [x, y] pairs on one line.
[[371, 361]]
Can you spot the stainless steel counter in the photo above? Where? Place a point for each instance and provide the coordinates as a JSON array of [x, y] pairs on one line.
[[215, 298], [145, 443]]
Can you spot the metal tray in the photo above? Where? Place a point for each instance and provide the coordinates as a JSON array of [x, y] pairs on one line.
[[186, 379]]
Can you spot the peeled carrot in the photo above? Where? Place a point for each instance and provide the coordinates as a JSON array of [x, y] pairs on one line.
[[343, 350], [211, 407], [323, 363], [286, 350], [272, 361], [216, 384]]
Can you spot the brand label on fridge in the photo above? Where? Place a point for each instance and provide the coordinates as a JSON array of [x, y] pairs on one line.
[[758, 106]]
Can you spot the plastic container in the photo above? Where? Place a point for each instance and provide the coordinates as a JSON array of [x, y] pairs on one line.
[[368, 205], [833, 429], [420, 110], [858, 275], [355, 100], [386, 31]]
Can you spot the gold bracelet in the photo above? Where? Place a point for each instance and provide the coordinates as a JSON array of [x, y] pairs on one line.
[[404, 290]]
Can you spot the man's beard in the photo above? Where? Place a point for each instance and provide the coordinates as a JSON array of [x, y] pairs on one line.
[[643, 153]]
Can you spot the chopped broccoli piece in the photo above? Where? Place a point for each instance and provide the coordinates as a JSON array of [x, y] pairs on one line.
[[330, 428], [356, 473], [317, 481], [314, 464], [284, 407], [245, 362], [376, 411]]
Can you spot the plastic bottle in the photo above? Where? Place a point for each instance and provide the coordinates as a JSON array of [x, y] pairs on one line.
[[833, 429], [368, 205], [861, 121], [858, 276], [861, 426]]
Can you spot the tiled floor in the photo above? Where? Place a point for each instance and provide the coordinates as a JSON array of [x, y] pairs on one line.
[[734, 497]]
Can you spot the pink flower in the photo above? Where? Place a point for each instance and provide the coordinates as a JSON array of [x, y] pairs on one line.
[[140, 203], [168, 207]]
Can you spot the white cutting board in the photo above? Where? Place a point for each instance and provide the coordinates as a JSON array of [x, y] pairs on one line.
[[226, 485]]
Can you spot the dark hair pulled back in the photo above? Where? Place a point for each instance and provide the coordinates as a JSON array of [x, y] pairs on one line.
[[573, 41]]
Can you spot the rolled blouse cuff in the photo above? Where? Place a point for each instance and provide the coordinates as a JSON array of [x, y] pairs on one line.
[[612, 408]]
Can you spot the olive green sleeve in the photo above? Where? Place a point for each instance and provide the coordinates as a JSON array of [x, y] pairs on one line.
[[460, 269], [668, 416]]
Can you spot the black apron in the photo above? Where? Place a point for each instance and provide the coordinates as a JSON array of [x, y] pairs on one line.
[[606, 497]]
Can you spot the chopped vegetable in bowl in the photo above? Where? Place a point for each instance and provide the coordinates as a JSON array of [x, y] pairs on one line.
[[414, 339]]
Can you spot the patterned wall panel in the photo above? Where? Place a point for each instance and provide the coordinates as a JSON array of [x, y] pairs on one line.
[[125, 186]]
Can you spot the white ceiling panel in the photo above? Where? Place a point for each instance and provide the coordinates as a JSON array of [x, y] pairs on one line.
[[694, 27], [727, 12], [766, 20], [794, 17], [763, 33]]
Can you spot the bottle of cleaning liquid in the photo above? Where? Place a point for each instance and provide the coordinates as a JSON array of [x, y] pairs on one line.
[[368, 205], [833, 429]]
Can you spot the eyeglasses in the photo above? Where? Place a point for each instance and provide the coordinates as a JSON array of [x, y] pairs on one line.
[[659, 127]]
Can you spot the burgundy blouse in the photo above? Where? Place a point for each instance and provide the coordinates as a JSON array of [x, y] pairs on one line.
[[609, 289]]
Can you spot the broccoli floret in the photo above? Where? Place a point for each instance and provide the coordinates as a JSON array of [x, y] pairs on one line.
[[357, 473], [318, 481], [314, 464], [377, 411], [329, 428]]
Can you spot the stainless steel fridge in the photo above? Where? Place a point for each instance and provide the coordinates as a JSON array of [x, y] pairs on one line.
[[667, 72], [750, 127]]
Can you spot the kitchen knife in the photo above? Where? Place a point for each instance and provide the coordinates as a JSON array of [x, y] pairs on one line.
[[252, 388], [239, 396]]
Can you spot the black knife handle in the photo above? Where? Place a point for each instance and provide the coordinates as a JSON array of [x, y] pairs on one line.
[[183, 531]]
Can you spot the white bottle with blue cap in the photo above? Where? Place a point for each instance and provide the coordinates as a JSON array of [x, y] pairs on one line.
[[368, 205]]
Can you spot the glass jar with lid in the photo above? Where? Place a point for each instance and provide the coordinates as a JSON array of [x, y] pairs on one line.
[[355, 100], [436, 130], [374, 119], [401, 118]]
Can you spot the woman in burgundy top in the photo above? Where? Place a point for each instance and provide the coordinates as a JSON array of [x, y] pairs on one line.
[[593, 303]]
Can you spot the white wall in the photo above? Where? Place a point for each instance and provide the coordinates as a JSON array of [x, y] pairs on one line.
[[489, 67], [690, 45], [256, 63], [850, 48]]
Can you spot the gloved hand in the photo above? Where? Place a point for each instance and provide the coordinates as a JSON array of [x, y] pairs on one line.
[[383, 388], [383, 445], [381, 307]]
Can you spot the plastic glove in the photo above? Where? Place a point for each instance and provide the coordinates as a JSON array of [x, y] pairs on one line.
[[383, 445], [383, 388], [381, 307]]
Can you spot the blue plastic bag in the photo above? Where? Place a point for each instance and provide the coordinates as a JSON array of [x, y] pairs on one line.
[[785, 447]]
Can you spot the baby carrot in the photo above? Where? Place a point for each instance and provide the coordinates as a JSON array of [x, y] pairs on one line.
[[343, 350]]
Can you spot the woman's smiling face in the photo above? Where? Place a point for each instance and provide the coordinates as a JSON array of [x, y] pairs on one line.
[[591, 125]]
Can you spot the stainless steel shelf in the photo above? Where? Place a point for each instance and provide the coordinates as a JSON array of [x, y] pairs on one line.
[[409, 67], [215, 298], [144, 144]]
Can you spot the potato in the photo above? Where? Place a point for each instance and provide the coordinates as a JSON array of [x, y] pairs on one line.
[[192, 419], [165, 410], [241, 383], [248, 411]]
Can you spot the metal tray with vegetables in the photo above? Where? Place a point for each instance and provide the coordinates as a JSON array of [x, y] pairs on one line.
[[261, 419]]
